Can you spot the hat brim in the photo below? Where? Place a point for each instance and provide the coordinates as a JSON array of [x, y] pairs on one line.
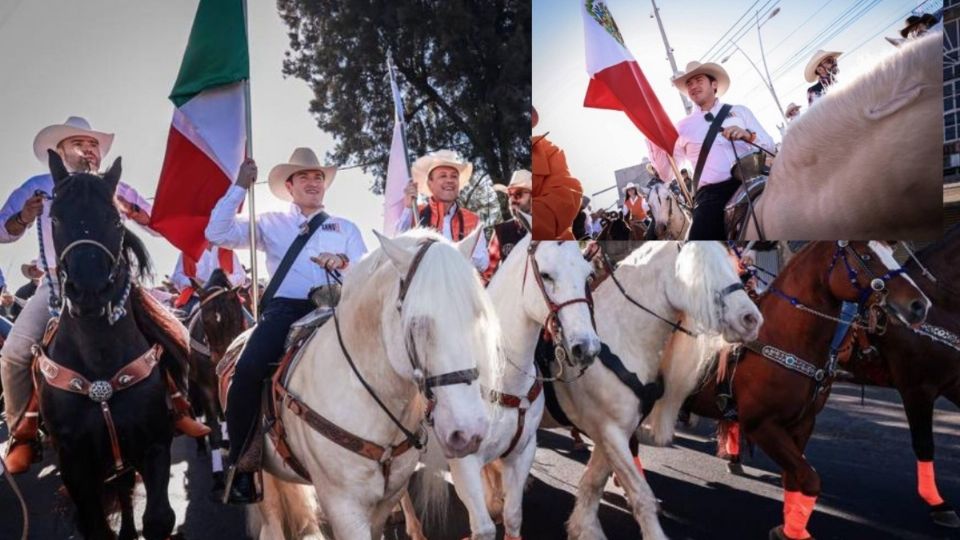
[[421, 171], [810, 72], [715, 71], [50, 136], [279, 174]]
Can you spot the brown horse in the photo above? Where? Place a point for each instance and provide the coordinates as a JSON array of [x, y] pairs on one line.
[[924, 365], [781, 381], [213, 324]]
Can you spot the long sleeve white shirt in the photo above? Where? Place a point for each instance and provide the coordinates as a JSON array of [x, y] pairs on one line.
[[692, 130], [44, 182], [275, 232], [480, 257]]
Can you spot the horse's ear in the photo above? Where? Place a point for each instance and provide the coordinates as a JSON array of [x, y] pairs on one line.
[[400, 258], [112, 176], [469, 244], [197, 286], [57, 169]]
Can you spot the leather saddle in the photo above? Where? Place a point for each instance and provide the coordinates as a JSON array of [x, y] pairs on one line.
[[752, 172]]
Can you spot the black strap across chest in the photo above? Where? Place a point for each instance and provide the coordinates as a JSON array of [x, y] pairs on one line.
[[648, 393], [708, 143], [290, 256]]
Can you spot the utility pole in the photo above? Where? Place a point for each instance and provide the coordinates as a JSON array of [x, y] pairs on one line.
[[687, 106]]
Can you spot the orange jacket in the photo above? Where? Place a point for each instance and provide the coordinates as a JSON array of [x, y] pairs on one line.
[[556, 194], [636, 208]]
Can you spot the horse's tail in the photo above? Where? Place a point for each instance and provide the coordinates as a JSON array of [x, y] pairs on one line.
[[683, 362], [432, 492], [288, 510], [492, 474]]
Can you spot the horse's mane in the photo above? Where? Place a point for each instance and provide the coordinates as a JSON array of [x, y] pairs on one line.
[[949, 237], [831, 120], [160, 326], [704, 274], [133, 247], [787, 268]]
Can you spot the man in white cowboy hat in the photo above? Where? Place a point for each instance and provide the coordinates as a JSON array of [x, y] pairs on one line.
[[33, 273], [441, 175], [791, 113], [506, 234], [81, 149], [304, 246], [704, 84], [822, 69]]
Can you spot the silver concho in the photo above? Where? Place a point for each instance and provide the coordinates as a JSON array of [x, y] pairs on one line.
[[877, 284], [100, 391]]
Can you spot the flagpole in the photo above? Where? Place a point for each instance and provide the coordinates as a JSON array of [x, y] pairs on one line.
[[680, 182], [403, 132], [255, 286]]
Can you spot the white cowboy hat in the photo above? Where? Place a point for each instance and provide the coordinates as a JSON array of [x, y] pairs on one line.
[[810, 72], [696, 68], [75, 126], [302, 159], [441, 158], [521, 179], [630, 185], [790, 107], [26, 268]]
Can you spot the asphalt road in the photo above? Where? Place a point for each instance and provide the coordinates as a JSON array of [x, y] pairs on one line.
[[862, 453]]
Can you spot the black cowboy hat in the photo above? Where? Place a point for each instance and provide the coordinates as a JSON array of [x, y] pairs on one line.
[[915, 20]]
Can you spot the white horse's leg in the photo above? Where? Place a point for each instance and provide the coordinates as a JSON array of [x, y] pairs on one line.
[[411, 522], [584, 523], [642, 502], [468, 482], [348, 519], [516, 469]]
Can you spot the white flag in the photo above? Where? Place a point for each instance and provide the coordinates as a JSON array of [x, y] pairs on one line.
[[398, 172]]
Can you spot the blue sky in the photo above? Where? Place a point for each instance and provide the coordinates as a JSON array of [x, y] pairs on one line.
[[598, 142]]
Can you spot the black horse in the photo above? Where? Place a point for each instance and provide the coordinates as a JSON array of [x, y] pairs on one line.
[[107, 320]]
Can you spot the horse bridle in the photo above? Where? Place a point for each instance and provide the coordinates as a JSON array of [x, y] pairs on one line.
[[552, 324], [202, 348], [878, 284], [425, 382]]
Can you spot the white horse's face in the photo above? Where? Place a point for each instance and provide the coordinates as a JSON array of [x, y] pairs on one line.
[[660, 208], [566, 276], [712, 295], [443, 328]]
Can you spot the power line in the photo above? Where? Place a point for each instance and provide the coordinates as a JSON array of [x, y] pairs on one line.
[[720, 40], [795, 30], [728, 47]]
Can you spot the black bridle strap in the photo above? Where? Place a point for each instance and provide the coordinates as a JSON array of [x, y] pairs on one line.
[[464, 376], [414, 265], [677, 327], [411, 437]]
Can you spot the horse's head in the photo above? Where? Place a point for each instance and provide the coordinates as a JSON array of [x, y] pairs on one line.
[[438, 325], [867, 273], [91, 241], [711, 293], [221, 312], [662, 208], [561, 297]]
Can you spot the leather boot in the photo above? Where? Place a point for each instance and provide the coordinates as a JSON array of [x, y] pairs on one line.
[[182, 419], [24, 449]]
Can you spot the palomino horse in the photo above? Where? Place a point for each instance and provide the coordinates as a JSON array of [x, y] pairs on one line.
[[402, 350], [783, 379], [924, 364], [636, 310], [552, 279], [217, 319], [889, 184], [108, 336], [670, 220]]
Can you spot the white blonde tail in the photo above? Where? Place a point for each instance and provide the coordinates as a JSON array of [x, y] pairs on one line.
[[432, 492], [288, 510]]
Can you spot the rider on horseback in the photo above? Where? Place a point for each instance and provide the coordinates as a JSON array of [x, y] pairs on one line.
[[822, 69], [304, 245], [508, 233], [441, 175], [556, 194], [704, 84], [212, 258]]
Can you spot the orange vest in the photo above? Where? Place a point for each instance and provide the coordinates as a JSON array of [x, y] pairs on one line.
[[636, 208], [462, 223]]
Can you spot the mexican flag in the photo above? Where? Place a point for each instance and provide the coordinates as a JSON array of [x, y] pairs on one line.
[[616, 81], [207, 138]]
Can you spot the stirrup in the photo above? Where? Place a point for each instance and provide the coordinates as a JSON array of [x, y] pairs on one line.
[[257, 486]]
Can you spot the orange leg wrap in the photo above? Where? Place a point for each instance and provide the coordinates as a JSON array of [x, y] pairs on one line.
[[797, 509], [639, 466], [29, 423], [926, 483], [733, 439], [509, 537]]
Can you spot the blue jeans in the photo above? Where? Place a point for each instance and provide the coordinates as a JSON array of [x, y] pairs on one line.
[[258, 361]]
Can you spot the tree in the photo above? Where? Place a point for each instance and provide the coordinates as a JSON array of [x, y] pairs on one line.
[[463, 68]]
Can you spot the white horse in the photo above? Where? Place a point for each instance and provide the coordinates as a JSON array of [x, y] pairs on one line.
[[695, 282], [414, 318], [670, 219], [865, 161], [523, 307]]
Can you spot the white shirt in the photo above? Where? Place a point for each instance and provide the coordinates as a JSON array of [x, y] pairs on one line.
[[275, 232], [44, 182], [481, 258], [720, 160], [209, 261]]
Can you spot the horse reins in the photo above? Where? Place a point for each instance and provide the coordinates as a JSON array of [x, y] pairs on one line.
[[200, 347]]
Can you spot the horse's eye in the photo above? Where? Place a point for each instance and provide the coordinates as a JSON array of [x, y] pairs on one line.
[[546, 277]]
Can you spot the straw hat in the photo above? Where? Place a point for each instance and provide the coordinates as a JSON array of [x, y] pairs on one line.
[[75, 126], [302, 159], [29, 268], [521, 179], [810, 72], [696, 68], [441, 158], [790, 107]]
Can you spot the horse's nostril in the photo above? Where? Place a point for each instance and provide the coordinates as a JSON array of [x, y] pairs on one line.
[[918, 308], [457, 439], [750, 321], [577, 351]]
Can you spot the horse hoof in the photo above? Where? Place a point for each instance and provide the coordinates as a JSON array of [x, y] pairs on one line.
[[735, 468], [944, 516], [777, 533]]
